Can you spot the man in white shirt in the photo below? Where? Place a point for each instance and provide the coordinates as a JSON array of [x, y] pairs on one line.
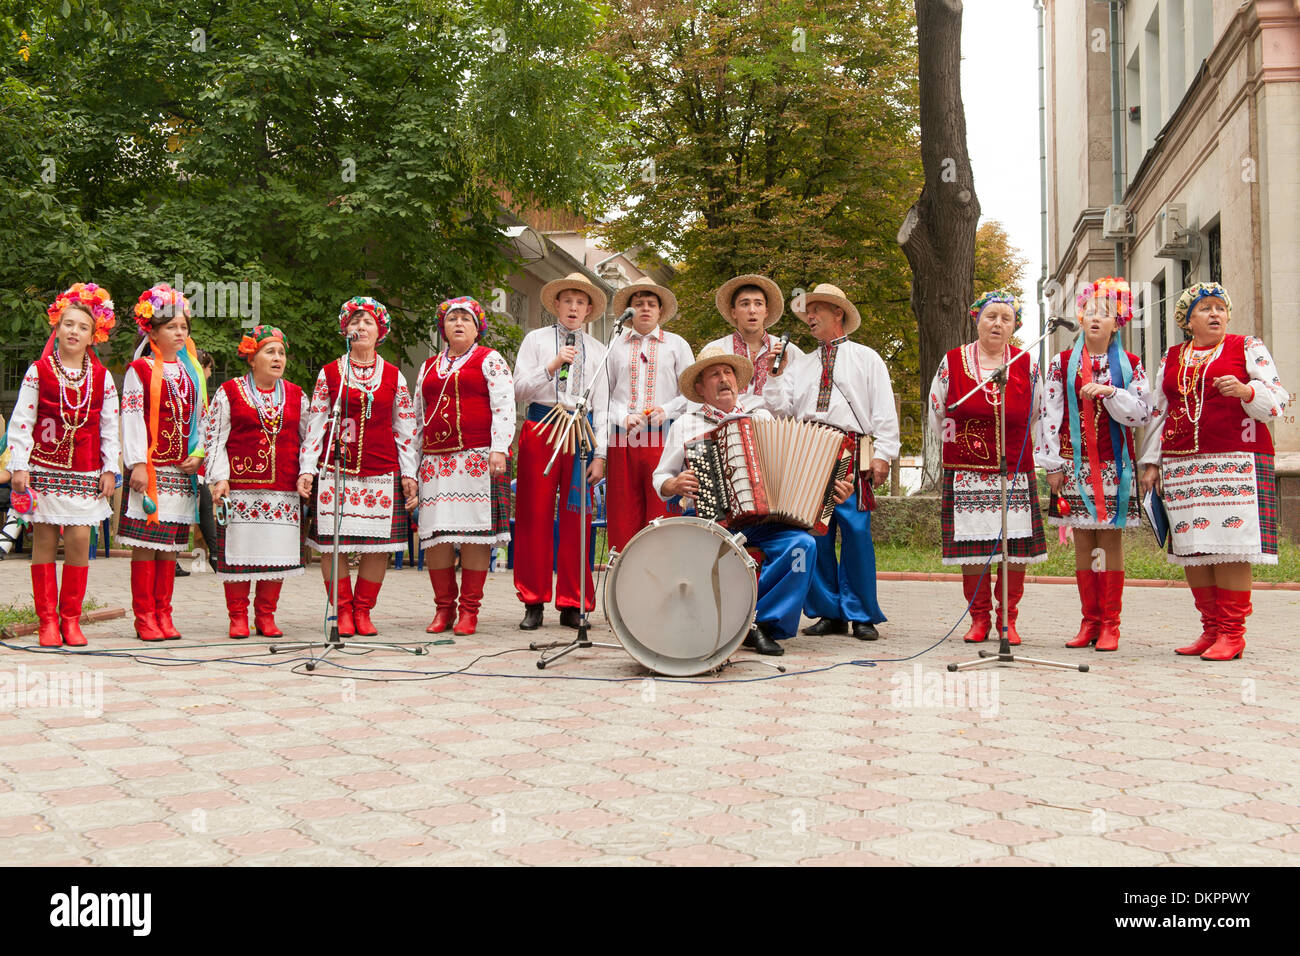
[[717, 381], [752, 304], [644, 365], [846, 385], [554, 366]]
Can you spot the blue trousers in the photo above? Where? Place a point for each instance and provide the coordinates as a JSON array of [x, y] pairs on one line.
[[788, 558], [846, 589]]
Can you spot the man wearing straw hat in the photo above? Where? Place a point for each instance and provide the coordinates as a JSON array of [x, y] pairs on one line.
[[645, 363], [554, 366], [846, 385], [751, 304], [717, 380]]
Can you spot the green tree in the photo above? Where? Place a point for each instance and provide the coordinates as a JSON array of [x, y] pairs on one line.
[[319, 149], [773, 137], [998, 264]]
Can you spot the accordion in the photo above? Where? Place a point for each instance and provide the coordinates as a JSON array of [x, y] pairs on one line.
[[778, 469]]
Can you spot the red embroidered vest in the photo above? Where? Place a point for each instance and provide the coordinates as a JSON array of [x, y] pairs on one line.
[[259, 459], [369, 440], [1223, 425], [1105, 450], [971, 442], [462, 417], [54, 443], [173, 421]]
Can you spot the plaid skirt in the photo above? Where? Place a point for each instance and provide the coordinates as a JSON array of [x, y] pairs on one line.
[[1207, 501], [395, 539], [177, 497], [1029, 550]]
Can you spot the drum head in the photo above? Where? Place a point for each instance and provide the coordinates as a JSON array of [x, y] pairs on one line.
[[681, 596]]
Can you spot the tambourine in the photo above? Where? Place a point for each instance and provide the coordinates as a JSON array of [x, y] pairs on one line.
[[221, 512]]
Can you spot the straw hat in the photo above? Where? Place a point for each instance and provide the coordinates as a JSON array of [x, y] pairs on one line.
[[574, 280], [712, 355], [772, 291], [825, 292], [667, 301]]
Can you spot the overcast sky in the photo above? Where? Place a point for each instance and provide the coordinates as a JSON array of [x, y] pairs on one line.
[[1000, 92]]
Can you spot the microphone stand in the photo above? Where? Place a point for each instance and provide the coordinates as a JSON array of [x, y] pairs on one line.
[[581, 450], [330, 626], [1003, 655]]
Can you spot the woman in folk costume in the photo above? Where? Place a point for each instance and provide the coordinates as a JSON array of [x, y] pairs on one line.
[[63, 438], [379, 460], [255, 429], [465, 413], [164, 398], [1088, 453], [1210, 452], [972, 516]]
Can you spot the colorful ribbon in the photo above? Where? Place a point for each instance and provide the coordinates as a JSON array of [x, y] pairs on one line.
[[1121, 373]]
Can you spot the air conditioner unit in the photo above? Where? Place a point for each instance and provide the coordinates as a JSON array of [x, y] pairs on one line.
[[1174, 240], [1114, 225]]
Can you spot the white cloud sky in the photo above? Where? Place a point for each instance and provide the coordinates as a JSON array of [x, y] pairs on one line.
[[1000, 92]]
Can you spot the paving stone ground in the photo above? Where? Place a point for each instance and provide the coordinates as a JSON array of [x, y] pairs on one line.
[[1148, 759]]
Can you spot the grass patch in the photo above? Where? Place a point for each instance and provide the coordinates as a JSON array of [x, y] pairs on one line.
[[1142, 559], [12, 614]]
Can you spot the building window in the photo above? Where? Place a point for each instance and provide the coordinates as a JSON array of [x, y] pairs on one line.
[[1214, 248], [1161, 310], [1186, 273]]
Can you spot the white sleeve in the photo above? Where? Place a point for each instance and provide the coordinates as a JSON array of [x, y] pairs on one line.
[[778, 390], [318, 415], [417, 399], [937, 408], [501, 397], [1269, 397], [886, 442], [531, 381], [1054, 404], [671, 460], [408, 455], [110, 445], [677, 406], [600, 412], [1131, 405], [304, 420], [1154, 438], [1035, 413], [22, 423], [215, 436], [135, 434]]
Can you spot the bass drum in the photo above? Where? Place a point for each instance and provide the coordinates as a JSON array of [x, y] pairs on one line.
[[681, 596]]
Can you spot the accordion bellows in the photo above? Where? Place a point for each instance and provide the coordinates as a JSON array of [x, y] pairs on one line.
[[753, 470]]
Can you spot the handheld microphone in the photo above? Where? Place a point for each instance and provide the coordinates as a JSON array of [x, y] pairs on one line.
[[779, 365], [569, 340]]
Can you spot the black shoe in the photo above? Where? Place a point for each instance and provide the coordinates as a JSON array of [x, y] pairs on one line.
[[570, 617], [827, 625], [532, 617], [865, 631], [180, 571], [760, 642]]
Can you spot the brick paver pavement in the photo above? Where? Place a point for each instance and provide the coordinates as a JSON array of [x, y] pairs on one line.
[[1149, 759]]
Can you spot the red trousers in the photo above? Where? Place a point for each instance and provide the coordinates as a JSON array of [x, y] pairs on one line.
[[535, 504], [631, 501]]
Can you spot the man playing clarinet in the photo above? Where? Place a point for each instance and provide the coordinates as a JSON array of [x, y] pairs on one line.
[[846, 385]]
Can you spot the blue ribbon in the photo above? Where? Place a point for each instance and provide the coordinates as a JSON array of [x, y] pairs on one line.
[[1117, 361]]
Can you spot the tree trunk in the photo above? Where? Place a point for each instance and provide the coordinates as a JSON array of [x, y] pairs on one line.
[[938, 233]]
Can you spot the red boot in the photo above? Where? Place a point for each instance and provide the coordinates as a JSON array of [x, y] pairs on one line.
[[1111, 599], [71, 595], [471, 596], [364, 599], [1015, 589], [164, 581], [343, 606], [1206, 604], [1234, 608], [444, 599], [142, 587], [265, 602], [978, 587], [45, 593], [237, 607], [1090, 598]]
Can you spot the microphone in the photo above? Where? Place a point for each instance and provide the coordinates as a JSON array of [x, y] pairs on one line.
[[1060, 322], [779, 365], [352, 337], [625, 317], [569, 340]]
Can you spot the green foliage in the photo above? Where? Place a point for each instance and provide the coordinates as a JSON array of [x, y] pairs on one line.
[[320, 149]]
